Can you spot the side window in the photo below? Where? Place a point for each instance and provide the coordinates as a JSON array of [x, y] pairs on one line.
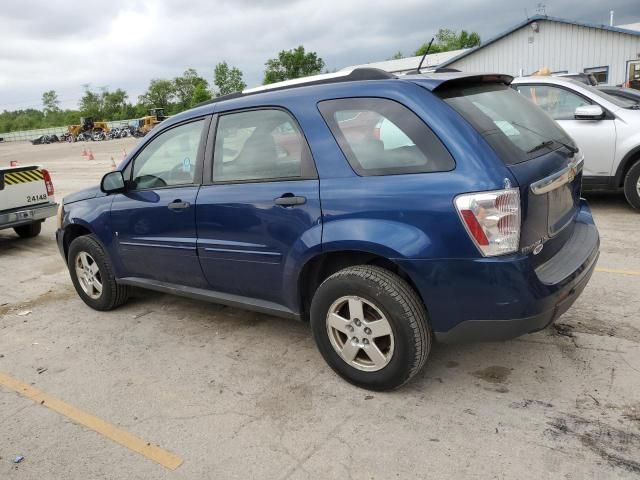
[[559, 103], [382, 137], [169, 159], [259, 145]]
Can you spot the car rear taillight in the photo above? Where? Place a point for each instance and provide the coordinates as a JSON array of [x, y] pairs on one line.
[[492, 220], [47, 181]]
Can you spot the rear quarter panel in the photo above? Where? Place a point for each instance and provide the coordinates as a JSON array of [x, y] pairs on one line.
[[410, 215]]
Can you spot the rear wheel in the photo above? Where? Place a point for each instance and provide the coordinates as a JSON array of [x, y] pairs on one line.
[[632, 185], [371, 327], [92, 275], [29, 231]]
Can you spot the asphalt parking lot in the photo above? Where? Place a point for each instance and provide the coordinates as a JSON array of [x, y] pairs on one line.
[[195, 390]]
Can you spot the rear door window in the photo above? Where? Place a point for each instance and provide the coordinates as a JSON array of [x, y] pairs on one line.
[[260, 145], [382, 137]]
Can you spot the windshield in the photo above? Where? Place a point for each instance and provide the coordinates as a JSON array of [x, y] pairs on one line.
[[618, 101], [515, 128]]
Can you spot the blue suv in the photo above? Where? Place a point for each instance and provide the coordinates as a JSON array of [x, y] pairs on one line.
[[387, 211]]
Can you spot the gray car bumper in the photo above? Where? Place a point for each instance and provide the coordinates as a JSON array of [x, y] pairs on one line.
[[24, 216]]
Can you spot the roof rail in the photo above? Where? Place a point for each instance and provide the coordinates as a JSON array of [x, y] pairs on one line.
[[335, 77], [357, 74]]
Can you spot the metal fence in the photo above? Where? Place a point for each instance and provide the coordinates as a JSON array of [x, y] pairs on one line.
[[28, 135]]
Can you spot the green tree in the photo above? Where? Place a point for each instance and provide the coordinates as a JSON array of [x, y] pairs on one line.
[[50, 102], [200, 94], [294, 63], [185, 87], [159, 94], [91, 104], [227, 80], [397, 56], [114, 104], [447, 40]]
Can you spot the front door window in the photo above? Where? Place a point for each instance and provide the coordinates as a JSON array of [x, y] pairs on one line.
[[170, 159], [559, 103]]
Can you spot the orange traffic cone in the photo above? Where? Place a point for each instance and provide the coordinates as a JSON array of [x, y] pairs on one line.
[[84, 152], [91, 157], [113, 164]]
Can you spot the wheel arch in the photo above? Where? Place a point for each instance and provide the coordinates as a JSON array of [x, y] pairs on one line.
[[321, 266], [627, 162], [71, 232]]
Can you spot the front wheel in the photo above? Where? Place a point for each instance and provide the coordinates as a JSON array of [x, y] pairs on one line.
[[371, 327], [632, 185], [92, 275]]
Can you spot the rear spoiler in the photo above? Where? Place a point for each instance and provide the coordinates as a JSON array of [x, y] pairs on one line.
[[434, 81], [477, 78]]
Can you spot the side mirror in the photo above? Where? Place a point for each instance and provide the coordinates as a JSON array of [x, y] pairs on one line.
[[112, 182], [589, 112]]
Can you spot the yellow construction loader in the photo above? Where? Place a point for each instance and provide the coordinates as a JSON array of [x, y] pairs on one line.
[[88, 129], [146, 124]]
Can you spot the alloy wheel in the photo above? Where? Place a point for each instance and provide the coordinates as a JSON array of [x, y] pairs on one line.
[[88, 274], [360, 333]]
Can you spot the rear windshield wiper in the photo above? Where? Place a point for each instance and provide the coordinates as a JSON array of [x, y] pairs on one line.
[[544, 144], [540, 146]]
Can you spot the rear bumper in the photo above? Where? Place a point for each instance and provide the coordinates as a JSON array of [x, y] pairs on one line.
[[499, 298], [25, 216]]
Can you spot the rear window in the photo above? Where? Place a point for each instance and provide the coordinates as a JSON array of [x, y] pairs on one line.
[[515, 128], [382, 137]]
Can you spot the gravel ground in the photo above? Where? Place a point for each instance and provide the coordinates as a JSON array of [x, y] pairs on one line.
[[243, 395]]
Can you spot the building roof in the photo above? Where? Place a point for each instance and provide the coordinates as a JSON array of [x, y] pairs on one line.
[[630, 26], [537, 18], [411, 63]]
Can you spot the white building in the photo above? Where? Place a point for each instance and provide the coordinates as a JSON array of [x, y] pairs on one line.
[[612, 54]]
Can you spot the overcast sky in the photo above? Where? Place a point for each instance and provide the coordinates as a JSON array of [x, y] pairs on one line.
[[125, 43]]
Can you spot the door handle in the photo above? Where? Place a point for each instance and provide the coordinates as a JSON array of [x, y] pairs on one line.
[[290, 200], [178, 205]]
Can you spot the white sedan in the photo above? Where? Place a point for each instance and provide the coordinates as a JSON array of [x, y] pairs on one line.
[[605, 128]]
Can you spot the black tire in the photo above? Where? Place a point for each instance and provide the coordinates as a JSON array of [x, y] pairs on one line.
[[29, 231], [401, 306], [113, 295], [631, 185]]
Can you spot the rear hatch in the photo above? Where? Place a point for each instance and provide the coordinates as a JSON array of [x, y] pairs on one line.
[[539, 154], [22, 187]]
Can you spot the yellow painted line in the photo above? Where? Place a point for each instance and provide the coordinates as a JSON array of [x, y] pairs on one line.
[[620, 272], [152, 452]]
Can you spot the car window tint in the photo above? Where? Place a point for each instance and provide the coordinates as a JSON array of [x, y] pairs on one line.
[[559, 103], [258, 145], [169, 159], [510, 123], [382, 137]]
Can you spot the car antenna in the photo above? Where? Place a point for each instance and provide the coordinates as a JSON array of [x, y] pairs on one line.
[[422, 59]]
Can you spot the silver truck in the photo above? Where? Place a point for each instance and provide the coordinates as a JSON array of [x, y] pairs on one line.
[[26, 199]]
